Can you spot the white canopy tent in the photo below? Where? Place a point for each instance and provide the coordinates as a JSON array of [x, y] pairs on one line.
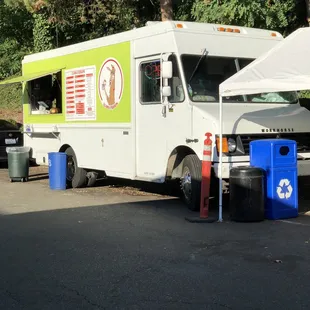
[[286, 67]]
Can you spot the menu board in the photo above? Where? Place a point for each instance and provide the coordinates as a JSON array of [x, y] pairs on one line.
[[81, 94]]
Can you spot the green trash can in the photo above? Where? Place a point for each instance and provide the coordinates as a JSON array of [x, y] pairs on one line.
[[18, 163]]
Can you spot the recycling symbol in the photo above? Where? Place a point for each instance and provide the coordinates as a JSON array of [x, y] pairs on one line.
[[284, 189]]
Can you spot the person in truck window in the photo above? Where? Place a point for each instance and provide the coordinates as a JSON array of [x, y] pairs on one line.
[[54, 98]]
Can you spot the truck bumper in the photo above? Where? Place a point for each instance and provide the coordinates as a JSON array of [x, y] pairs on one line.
[[303, 168]]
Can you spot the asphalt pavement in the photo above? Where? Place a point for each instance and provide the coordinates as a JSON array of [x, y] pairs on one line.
[[111, 248]]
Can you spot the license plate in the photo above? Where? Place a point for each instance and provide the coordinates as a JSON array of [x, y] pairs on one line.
[[10, 141]]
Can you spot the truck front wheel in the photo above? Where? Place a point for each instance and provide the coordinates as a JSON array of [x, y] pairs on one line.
[[76, 177], [191, 182]]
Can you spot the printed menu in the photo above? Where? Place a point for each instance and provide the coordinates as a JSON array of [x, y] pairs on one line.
[[81, 94]]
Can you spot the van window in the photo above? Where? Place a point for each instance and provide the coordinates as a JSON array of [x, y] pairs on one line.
[[150, 82], [44, 94], [203, 85]]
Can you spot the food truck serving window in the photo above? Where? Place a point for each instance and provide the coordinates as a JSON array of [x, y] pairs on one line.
[[42, 91], [45, 95]]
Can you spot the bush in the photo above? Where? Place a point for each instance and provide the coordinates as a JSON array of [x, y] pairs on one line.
[[10, 97]]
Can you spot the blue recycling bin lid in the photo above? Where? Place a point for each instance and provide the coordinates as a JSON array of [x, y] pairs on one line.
[[272, 153]]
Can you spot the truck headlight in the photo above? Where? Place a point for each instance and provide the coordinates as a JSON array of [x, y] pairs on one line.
[[232, 145]]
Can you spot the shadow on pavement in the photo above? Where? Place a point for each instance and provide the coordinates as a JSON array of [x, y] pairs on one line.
[[173, 190], [146, 256], [304, 194], [170, 189], [32, 176], [38, 177]]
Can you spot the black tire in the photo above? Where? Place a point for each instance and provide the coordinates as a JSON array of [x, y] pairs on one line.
[[76, 177], [191, 182]]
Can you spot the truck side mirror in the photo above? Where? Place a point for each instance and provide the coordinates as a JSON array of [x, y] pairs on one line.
[[167, 70], [166, 91]]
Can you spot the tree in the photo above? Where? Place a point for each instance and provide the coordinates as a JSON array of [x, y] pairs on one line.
[[78, 20], [308, 10], [281, 15], [183, 10], [166, 10], [15, 23], [43, 39], [15, 38]]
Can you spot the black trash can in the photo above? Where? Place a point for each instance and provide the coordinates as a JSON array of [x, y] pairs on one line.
[[247, 194]]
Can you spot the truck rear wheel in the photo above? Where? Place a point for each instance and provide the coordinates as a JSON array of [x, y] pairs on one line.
[[76, 177], [191, 182]]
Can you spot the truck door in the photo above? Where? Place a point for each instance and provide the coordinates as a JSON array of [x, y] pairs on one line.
[[159, 129]]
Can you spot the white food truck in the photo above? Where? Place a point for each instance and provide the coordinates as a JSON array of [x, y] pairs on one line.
[[138, 104]]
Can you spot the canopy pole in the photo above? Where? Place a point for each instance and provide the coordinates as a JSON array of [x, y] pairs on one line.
[[220, 219]]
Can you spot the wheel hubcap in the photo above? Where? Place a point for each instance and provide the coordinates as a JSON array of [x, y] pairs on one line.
[[187, 185]]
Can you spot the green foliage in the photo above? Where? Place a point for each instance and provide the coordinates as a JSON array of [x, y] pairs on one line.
[[11, 54], [304, 94], [58, 23], [244, 12], [182, 9], [42, 37], [11, 97], [277, 14], [15, 38], [15, 23]]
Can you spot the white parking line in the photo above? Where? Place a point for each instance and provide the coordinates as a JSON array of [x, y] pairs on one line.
[[294, 223]]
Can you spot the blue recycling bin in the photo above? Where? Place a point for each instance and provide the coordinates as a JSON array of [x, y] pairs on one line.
[[278, 158], [57, 170]]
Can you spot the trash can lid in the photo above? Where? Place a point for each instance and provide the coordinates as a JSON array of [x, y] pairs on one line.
[[246, 171], [18, 149]]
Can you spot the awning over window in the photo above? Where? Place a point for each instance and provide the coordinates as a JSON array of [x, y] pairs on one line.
[[29, 77]]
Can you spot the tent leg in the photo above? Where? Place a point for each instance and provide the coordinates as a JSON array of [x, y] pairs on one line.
[[220, 219]]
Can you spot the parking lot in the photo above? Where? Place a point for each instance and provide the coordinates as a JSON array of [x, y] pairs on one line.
[[129, 247]]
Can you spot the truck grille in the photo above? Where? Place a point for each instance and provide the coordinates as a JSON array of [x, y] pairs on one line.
[[302, 139]]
